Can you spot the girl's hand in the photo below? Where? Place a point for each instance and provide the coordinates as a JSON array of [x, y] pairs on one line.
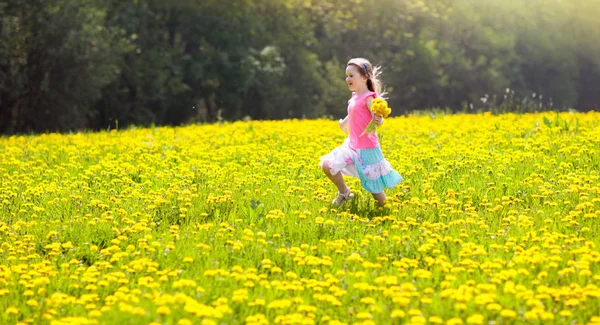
[[378, 120]]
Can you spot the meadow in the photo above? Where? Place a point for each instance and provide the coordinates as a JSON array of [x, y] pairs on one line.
[[496, 222]]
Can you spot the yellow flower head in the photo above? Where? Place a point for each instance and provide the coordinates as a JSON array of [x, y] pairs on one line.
[[380, 107]]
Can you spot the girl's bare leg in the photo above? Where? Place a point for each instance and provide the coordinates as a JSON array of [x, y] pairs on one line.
[[337, 179], [380, 197]]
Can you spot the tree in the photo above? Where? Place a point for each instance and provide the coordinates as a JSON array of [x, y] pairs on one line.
[[54, 59]]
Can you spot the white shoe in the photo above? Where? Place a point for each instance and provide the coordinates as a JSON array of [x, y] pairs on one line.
[[342, 197]]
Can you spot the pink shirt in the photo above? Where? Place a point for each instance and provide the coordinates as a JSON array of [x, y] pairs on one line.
[[358, 118]]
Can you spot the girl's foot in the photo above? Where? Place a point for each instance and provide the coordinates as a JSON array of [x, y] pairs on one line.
[[380, 199], [342, 197]]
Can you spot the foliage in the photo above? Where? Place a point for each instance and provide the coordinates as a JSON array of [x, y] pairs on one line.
[[496, 221], [97, 64], [55, 57]]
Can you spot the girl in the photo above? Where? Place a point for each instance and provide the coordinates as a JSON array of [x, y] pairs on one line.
[[360, 155]]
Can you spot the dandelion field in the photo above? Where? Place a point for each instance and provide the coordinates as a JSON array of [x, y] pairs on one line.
[[496, 222]]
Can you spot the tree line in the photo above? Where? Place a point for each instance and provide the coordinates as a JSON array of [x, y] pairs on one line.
[[92, 64]]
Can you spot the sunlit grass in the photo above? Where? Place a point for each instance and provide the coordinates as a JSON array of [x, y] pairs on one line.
[[496, 221]]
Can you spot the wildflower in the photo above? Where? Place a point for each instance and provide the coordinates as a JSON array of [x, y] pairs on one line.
[[565, 313], [32, 303], [476, 319], [507, 313], [378, 107], [163, 310], [11, 311], [367, 301], [493, 307], [531, 315], [279, 304], [572, 302], [454, 321], [397, 313], [547, 316]]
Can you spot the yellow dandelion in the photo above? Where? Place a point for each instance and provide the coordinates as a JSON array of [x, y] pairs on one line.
[[397, 313], [11, 311], [32, 303], [418, 320], [493, 307], [508, 313], [476, 319], [368, 301], [565, 313], [531, 315], [163, 310], [454, 321]]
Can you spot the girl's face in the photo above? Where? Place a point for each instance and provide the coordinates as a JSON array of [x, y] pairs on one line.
[[354, 79]]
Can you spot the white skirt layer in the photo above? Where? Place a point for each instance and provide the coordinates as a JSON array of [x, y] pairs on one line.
[[341, 159]]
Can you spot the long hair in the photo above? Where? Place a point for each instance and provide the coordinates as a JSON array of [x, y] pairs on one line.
[[370, 72]]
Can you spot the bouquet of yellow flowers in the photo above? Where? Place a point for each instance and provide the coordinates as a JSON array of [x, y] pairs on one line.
[[378, 107]]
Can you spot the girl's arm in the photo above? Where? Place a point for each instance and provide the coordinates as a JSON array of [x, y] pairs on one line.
[[344, 124], [378, 119]]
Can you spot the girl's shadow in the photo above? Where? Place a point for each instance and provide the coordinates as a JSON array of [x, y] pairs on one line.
[[364, 206]]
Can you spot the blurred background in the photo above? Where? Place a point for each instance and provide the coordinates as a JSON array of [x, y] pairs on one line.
[[68, 65]]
